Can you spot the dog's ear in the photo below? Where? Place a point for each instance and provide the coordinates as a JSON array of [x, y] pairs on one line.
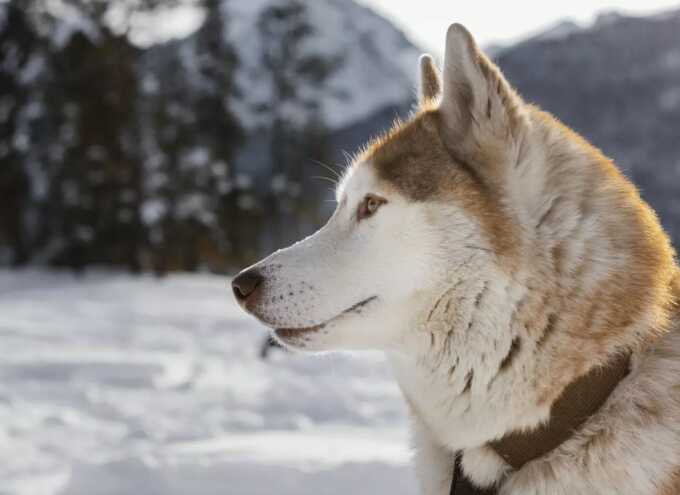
[[430, 82], [477, 102]]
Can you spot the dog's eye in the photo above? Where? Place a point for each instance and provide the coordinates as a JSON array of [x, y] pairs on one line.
[[369, 205]]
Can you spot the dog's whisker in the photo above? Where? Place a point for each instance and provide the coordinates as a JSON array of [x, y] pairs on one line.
[[329, 179], [337, 174]]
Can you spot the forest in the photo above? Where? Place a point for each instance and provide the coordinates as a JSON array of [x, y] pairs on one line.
[[119, 155]]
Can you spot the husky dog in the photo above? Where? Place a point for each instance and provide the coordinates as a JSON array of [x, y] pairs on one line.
[[501, 262]]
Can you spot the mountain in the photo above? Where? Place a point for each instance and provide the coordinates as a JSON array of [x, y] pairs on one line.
[[348, 64], [618, 84], [376, 64]]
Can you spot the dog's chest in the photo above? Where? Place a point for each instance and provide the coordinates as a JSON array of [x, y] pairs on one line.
[[424, 396], [451, 418]]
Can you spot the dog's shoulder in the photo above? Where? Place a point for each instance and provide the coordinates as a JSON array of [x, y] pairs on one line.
[[632, 445]]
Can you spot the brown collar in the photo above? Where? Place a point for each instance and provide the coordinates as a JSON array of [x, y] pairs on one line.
[[579, 401]]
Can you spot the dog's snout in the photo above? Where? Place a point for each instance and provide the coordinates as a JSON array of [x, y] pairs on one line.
[[245, 284]]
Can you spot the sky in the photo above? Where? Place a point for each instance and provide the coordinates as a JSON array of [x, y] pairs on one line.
[[425, 21], [491, 22]]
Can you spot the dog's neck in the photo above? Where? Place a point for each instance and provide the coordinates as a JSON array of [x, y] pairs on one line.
[[497, 348], [493, 357], [459, 369]]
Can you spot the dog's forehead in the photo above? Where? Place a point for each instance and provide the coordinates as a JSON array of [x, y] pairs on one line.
[[409, 160], [359, 180]]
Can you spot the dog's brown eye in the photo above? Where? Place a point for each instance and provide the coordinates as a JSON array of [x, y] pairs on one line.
[[369, 205]]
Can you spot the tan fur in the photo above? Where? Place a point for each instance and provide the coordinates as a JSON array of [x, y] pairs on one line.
[[566, 319], [672, 486], [594, 269], [430, 84], [410, 159]]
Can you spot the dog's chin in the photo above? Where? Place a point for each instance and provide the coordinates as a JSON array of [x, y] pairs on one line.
[[308, 339], [319, 337]]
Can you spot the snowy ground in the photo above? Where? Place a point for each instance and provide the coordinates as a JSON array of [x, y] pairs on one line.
[[111, 384]]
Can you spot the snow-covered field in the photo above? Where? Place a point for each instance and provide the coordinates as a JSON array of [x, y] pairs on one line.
[[112, 384]]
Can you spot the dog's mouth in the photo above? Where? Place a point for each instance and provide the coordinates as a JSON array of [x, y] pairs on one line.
[[290, 333]]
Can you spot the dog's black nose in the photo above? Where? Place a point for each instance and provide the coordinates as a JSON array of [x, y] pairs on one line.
[[245, 284]]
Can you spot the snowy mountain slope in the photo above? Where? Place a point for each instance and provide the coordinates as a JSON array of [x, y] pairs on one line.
[[377, 64], [111, 385], [374, 63]]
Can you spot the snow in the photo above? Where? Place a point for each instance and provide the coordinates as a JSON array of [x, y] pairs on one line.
[[559, 31], [153, 210], [32, 69], [377, 63], [165, 24], [607, 18], [114, 384], [72, 23], [196, 206]]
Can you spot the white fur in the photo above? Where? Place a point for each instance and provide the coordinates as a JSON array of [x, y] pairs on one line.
[[346, 262]]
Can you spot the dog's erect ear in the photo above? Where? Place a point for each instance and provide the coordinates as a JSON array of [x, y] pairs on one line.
[[430, 83], [477, 101]]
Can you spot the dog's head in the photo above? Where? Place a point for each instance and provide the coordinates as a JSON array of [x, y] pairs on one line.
[[476, 186], [409, 213]]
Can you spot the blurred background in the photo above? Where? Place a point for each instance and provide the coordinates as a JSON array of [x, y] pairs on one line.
[[149, 148]]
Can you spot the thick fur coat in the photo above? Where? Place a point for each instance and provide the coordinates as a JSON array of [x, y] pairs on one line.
[[496, 257]]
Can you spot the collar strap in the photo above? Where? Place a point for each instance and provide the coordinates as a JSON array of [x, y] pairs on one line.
[[578, 402]]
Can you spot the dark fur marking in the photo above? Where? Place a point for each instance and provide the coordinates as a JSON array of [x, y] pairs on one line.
[[547, 330], [481, 293], [468, 381], [515, 347], [548, 212], [453, 368], [436, 305]]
